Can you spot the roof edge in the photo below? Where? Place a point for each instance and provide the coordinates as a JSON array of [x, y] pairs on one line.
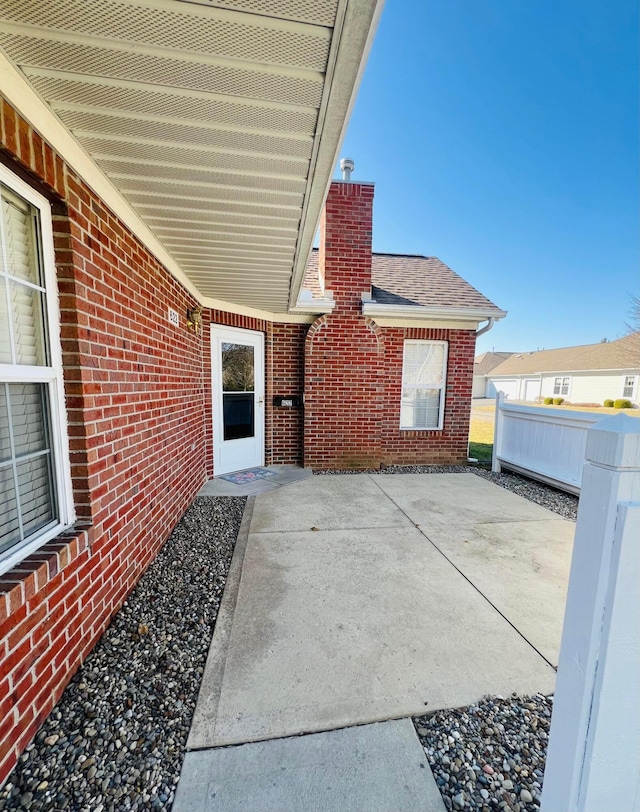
[[422, 311]]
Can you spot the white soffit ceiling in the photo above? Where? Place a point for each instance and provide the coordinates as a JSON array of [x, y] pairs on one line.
[[219, 122]]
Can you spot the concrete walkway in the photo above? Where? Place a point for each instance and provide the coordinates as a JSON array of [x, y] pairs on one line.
[[358, 599]]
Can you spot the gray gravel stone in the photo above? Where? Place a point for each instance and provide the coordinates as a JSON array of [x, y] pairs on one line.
[[507, 754], [121, 726]]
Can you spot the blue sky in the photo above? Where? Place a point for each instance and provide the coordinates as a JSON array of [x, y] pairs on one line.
[[502, 136]]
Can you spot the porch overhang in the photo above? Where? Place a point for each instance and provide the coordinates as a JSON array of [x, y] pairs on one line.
[[211, 129]]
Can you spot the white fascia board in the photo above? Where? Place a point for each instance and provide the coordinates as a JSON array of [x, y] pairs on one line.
[[318, 307], [23, 98], [374, 309], [256, 313], [435, 323]]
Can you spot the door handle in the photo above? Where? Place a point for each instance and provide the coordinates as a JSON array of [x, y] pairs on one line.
[[260, 401]]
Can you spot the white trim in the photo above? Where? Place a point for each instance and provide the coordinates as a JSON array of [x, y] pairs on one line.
[[51, 375], [256, 313], [438, 323], [443, 387], [477, 314]]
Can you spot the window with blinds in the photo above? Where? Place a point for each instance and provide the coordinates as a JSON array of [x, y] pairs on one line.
[[34, 481], [424, 370]]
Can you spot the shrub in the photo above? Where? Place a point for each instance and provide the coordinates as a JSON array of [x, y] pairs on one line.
[[622, 403], [558, 401], [608, 403], [548, 401]]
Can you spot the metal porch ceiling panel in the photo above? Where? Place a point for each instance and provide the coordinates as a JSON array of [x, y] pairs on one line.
[[218, 122]]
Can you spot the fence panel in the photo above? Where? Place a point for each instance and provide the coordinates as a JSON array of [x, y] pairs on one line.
[[545, 444]]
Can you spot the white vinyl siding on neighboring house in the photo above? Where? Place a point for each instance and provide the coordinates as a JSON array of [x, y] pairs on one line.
[[424, 372], [35, 488]]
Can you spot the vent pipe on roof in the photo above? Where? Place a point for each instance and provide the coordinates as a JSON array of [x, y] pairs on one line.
[[346, 167]]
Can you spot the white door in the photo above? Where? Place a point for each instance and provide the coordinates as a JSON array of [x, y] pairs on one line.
[[531, 390], [237, 367], [509, 387]]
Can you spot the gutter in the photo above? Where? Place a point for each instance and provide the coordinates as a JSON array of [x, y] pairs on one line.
[[487, 327], [374, 309]]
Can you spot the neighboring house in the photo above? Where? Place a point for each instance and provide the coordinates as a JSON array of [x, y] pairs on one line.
[[591, 373], [162, 169], [482, 366]]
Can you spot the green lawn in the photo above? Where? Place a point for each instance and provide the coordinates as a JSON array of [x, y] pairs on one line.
[[481, 440], [481, 432]]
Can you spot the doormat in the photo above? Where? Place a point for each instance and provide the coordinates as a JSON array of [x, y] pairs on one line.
[[253, 474]]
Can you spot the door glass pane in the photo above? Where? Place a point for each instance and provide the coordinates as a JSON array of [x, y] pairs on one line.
[[237, 368], [238, 399], [238, 415]]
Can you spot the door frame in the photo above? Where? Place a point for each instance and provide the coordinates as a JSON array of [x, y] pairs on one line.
[[222, 332]]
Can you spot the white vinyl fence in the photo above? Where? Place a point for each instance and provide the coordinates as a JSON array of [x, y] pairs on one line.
[[593, 757], [542, 443]]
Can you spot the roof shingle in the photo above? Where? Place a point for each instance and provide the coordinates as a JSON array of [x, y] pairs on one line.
[[413, 281], [624, 353]]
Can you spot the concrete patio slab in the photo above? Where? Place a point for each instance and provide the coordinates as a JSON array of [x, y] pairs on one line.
[[438, 500], [516, 553], [375, 768], [349, 626], [327, 503]]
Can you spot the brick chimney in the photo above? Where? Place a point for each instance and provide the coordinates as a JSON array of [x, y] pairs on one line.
[[344, 352], [345, 243]]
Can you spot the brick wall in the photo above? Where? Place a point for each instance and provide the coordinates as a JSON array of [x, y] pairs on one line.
[[136, 400], [449, 445], [344, 388], [345, 244], [353, 376], [344, 353]]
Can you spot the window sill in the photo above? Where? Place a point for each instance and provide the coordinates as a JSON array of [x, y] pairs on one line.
[[20, 584], [405, 428]]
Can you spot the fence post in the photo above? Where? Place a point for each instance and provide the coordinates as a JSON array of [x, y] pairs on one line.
[[593, 759], [497, 434]]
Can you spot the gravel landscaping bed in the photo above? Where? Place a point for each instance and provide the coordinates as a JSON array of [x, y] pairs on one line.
[[566, 504], [116, 739], [489, 756]]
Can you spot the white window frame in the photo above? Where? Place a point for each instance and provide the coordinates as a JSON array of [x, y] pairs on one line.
[[631, 386], [562, 384], [442, 387], [52, 376]]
